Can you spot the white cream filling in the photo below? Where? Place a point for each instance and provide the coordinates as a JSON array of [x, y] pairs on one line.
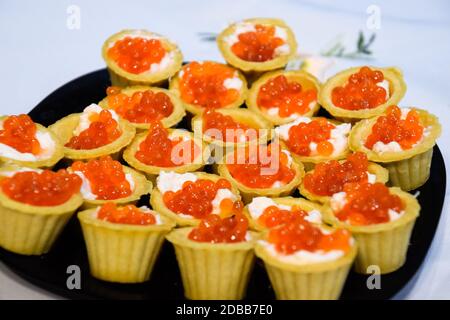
[[86, 190], [371, 178], [89, 111], [385, 85], [244, 27], [259, 204], [47, 149], [233, 83], [338, 135], [279, 184], [172, 181], [221, 195], [339, 200]]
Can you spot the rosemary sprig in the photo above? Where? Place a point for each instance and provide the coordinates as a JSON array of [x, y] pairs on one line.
[[207, 36], [362, 48]]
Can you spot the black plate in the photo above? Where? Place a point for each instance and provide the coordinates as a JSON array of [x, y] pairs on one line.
[[50, 271]]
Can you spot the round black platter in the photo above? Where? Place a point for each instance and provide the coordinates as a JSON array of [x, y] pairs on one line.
[[50, 271]]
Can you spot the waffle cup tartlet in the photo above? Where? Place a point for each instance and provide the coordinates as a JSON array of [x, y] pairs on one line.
[[30, 229], [141, 187], [64, 129], [248, 193], [217, 271], [39, 161], [151, 171], [410, 168], [323, 280], [385, 244], [119, 252], [231, 34], [397, 89], [285, 203], [195, 109], [182, 220], [339, 141], [242, 116], [169, 64], [174, 118], [305, 79], [381, 175]]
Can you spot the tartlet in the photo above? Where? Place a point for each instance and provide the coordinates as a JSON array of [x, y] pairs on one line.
[[292, 170], [127, 102], [163, 58], [73, 125], [315, 140], [247, 124], [120, 251], [308, 270], [196, 161], [374, 173], [409, 167], [300, 86], [23, 130], [210, 269], [370, 101], [107, 180], [30, 221], [221, 86], [382, 244], [174, 183], [260, 219], [276, 44]]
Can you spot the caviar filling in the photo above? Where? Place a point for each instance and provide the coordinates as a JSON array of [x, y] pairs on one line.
[[225, 128], [274, 216], [102, 130], [203, 84], [368, 204], [259, 45], [317, 131], [106, 176], [46, 188], [129, 214], [330, 177], [289, 97], [161, 150], [19, 132], [141, 107], [392, 127], [215, 229], [362, 91], [265, 168], [196, 198], [136, 55], [299, 235]]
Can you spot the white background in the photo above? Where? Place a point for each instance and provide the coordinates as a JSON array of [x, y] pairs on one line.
[[38, 53]]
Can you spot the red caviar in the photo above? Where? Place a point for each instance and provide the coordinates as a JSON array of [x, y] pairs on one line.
[[128, 214], [288, 96], [258, 45], [361, 91], [368, 204], [390, 127], [230, 130], [106, 178], [136, 55], [214, 229], [317, 131], [301, 235], [46, 188], [158, 149], [263, 168], [330, 177], [103, 129], [274, 216], [195, 198], [19, 132], [202, 84], [142, 106]]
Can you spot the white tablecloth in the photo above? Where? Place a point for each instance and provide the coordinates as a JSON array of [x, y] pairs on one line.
[[39, 52]]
